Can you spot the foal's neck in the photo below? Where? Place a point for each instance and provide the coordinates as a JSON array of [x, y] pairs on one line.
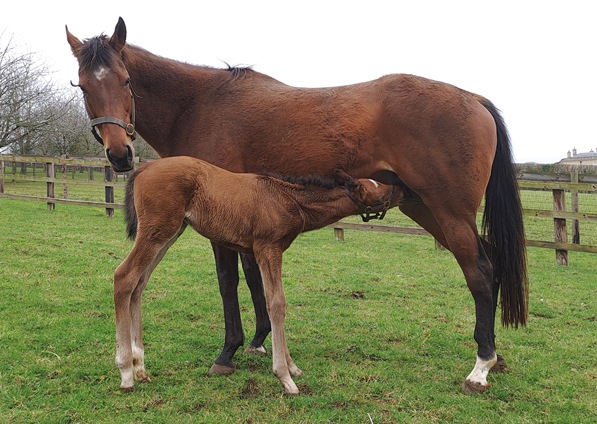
[[323, 207]]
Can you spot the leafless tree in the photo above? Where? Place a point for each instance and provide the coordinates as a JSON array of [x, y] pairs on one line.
[[37, 116], [24, 87]]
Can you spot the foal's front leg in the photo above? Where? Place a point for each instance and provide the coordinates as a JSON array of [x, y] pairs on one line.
[[270, 263], [130, 278], [138, 351]]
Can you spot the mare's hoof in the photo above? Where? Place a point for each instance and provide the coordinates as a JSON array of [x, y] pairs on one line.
[[473, 388], [127, 389], [261, 350], [221, 370], [500, 365]]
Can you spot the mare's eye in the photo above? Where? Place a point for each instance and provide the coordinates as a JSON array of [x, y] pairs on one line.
[[127, 82]]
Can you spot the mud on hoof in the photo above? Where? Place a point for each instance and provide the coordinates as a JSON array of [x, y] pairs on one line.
[[261, 350], [473, 388], [500, 365], [221, 370], [128, 389]]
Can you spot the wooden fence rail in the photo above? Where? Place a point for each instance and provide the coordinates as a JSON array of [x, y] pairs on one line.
[[51, 180], [558, 184]]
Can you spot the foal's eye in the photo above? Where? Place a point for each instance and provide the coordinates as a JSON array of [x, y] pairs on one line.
[[127, 82]]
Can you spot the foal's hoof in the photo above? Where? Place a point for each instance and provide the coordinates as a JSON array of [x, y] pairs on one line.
[[142, 377], [221, 370], [128, 389], [473, 388], [261, 350], [500, 365]]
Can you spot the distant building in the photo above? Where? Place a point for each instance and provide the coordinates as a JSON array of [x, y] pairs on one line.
[[574, 158]]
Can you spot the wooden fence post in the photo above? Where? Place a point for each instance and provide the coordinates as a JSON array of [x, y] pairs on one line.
[[50, 185], [64, 175], [339, 234], [109, 190], [559, 205], [1, 176], [575, 207]]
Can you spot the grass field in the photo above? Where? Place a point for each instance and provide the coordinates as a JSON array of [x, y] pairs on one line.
[[380, 324]]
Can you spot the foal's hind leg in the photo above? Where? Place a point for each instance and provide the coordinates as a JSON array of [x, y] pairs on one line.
[[270, 262]]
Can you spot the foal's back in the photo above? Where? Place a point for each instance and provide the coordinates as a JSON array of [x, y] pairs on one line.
[[234, 210]]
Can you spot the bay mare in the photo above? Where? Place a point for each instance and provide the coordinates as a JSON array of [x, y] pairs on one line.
[[447, 148], [255, 214]]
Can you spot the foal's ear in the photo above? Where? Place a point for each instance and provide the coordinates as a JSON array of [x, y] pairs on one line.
[[74, 42], [342, 178], [118, 39]]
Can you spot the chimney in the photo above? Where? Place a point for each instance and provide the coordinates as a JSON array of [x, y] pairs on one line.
[[569, 154]]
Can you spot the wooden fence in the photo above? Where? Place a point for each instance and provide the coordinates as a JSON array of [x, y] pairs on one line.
[[558, 184]]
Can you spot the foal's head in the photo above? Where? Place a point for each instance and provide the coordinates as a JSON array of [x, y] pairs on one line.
[[105, 84]]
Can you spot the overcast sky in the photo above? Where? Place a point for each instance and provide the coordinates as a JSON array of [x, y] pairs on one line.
[[536, 60]]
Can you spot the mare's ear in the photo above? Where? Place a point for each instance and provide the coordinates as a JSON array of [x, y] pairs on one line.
[[118, 39], [74, 42]]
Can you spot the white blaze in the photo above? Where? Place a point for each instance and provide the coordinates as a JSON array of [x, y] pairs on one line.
[[101, 73]]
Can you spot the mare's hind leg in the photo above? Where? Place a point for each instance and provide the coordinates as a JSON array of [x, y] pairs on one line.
[[255, 283], [139, 372], [462, 239], [466, 245]]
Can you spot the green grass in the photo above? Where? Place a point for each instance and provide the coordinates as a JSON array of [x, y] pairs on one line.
[[381, 325]]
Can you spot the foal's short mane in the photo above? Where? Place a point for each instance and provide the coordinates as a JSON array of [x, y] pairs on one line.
[[311, 180]]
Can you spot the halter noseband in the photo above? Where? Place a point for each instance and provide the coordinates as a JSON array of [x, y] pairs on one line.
[[373, 212], [129, 128]]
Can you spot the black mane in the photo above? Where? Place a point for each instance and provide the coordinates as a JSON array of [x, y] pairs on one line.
[[95, 52], [238, 71]]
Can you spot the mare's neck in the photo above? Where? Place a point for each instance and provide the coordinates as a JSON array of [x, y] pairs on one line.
[[166, 90]]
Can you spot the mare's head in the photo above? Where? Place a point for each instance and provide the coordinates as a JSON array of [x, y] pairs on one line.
[[105, 84]]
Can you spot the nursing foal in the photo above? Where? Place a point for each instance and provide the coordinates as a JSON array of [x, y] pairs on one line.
[[256, 214]]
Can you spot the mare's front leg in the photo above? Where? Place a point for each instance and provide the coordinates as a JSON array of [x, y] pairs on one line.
[[263, 326], [227, 269], [270, 262]]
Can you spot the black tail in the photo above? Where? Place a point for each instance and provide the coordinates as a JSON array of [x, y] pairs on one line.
[[130, 213], [504, 229]]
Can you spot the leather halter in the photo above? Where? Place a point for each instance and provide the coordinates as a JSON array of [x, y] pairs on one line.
[[373, 212], [129, 128]]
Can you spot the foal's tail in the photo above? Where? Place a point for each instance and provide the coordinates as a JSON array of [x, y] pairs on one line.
[[504, 229], [130, 213]]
